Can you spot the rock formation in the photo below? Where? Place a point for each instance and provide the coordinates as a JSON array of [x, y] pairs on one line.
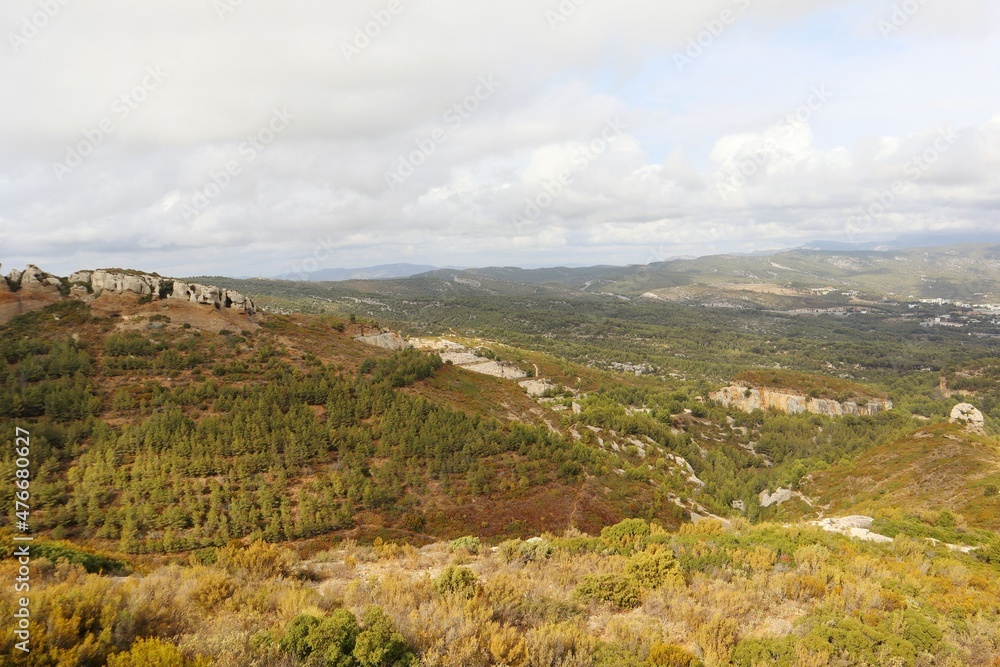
[[966, 413], [33, 279], [779, 497], [749, 399], [389, 340], [84, 283]]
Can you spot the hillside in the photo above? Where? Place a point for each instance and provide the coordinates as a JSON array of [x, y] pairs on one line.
[[932, 470], [587, 503]]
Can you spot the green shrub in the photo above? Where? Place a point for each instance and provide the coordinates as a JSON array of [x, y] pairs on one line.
[[626, 535], [456, 581], [525, 551], [670, 655], [380, 644], [654, 567], [334, 638], [296, 639], [469, 543], [620, 590]]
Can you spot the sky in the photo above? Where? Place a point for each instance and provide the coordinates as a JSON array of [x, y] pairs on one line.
[[256, 137]]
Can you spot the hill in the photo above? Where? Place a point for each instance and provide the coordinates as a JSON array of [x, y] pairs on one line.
[[238, 482], [911, 483]]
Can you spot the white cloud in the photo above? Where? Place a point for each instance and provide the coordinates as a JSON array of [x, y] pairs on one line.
[[657, 185]]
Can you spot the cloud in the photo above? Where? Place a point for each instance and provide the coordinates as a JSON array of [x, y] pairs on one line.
[[707, 158]]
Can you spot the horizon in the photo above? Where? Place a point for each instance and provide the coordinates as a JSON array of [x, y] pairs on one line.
[[589, 134]]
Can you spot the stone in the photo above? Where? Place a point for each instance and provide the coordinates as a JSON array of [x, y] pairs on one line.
[[83, 277], [970, 416], [749, 399], [779, 497], [155, 287], [387, 340], [33, 279]]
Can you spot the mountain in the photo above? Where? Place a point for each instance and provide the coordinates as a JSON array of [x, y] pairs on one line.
[[381, 272], [534, 473]]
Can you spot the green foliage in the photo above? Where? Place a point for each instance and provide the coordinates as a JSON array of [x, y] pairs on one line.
[[334, 639], [622, 591], [670, 655], [456, 580], [654, 567], [402, 369], [525, 551], [128, 345], [94, 563], [153, 653], [468, 543], [338, 640], [296, 638], [380, 644], [626, 536]]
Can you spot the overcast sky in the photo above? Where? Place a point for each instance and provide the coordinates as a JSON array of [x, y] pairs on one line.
[[246, 137]]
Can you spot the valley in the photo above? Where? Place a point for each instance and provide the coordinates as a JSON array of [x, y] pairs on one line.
[[507, 467]]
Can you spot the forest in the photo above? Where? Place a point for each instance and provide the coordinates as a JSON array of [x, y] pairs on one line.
[[316, 501]]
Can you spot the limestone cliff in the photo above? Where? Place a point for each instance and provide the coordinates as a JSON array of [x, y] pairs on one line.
[[83, 284], [749, 399]]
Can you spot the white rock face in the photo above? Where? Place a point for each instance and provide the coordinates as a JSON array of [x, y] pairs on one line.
[[33, 279], [779, 497], [858, 527], [965, 413], [749, 399], [389, 340]]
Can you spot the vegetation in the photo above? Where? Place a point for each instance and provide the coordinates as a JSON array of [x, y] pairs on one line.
[[279, 494]]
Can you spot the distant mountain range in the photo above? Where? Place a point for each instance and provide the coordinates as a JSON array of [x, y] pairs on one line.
[[381, 272], [906, 242], [582, 274]]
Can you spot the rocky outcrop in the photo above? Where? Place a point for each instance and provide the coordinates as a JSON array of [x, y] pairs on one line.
[[210, 295], [779, 497], [115, 281], [135, 283], [858, 527], [749, 399], [34, 280], [389, 340], [967, 414]]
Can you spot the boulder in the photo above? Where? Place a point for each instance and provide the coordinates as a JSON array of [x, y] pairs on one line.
[[81, 277], [779, 497], [967, 414], [33, 279]]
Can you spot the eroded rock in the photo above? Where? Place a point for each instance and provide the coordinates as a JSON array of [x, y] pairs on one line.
[[749, 399], [970, 416]]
